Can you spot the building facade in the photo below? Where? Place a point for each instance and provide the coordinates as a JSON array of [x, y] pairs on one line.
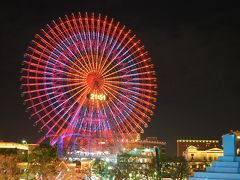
[[137, 162], [237, 133], [149, 142], [200, 159], [183, 144], [12, 148], [193, 154]]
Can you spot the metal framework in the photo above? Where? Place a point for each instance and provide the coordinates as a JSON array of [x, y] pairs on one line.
[[88, 75]]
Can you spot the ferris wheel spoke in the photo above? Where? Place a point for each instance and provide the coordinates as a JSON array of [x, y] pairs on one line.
[[40, 41], [46, 107], [50, 45], [47, 74], [85, 37], [81, 122], [42, 84], [124, 71], [57, 113], [52, 78], [144, 108], [131, 77], [118, 125], [53, 88], [136, 98], [89, 38], [128, 90], [37, 97], [47, 57], [93, 26], [126, 120], [80, 40], [120, 111], [111, 46], [120, 51], [126, 79], [101, 124], [97, 34], [136, 89], [124, 37], [73, 42], [128, 59], [75, 125], [123, 54], [132, 83], [53, 70], [149, 91], [130, 101], [51, 98], [106, 40], [61, 37], [107, 120], [145, 67], [72, 33], [72, 119], [112, 38], [61, 52], [45, 61], [100, 118], [102, 38], [45, 53], [134, 113], [89, 122]]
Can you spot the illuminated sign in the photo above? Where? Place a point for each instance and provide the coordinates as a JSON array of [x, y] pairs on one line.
[[101, 97]]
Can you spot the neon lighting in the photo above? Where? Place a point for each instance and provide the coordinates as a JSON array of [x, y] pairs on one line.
[[101, 97], [88, 75]]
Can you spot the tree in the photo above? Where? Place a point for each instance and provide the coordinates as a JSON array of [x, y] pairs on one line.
[[8, 167], [43, 161], [99, 166], [180, 168], [135, 165], [163, 167]]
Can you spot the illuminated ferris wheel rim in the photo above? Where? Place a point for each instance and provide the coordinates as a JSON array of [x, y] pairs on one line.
[[91, 63]]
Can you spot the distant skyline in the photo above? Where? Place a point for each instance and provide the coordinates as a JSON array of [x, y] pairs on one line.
[[195, 49]]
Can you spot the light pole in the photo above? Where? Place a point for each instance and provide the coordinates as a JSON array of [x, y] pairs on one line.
[[25, 143]]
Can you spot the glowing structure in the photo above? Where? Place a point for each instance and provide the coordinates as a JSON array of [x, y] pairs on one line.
[[88, 76]]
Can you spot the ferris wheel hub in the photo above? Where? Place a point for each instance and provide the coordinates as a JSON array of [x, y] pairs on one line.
[[94, 80]]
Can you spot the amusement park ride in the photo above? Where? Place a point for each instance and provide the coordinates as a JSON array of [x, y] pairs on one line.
[[88, 83]]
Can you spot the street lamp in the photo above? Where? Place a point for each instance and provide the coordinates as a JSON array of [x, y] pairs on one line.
[[24, 141]]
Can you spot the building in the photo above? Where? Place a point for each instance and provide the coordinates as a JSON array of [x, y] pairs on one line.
[[13, 145], [13, 148], [183, 144], [17, 146], [193, 154], [139, 156], [137, 162], [237, 133], [22, 150], [149, 142], [200, 159]]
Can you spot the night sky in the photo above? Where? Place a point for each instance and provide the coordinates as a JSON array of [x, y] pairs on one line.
[[195, 49]]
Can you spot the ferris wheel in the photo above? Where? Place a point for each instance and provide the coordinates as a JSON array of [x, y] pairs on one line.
[[88, 75]]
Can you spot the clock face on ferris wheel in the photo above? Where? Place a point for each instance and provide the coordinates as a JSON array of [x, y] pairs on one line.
[[88, 75]]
